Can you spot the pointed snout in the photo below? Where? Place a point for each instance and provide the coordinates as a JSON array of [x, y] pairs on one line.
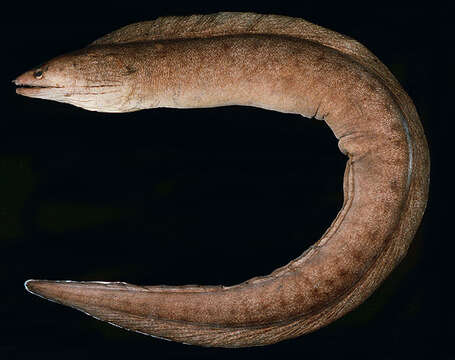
[[31, 85], [26, 84], [26, 79]]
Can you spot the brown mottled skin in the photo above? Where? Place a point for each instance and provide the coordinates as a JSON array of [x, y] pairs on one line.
[[277, 63]]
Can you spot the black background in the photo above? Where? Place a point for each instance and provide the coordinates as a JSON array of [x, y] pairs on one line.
[[207, 196]]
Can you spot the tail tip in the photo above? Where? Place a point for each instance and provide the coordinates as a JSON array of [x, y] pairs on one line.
[[28, 284]]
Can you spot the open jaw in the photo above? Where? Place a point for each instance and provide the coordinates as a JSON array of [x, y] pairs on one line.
[[35, 90]]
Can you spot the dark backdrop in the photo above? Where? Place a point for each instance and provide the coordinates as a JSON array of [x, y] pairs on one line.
[[208, 196]]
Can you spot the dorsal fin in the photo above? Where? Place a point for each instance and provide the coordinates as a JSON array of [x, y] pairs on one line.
[[232, 23], [223, 23]]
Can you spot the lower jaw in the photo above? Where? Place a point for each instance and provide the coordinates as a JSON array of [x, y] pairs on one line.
[[37, 92]]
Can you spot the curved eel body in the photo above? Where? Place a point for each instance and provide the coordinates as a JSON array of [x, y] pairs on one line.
[[277, 63]]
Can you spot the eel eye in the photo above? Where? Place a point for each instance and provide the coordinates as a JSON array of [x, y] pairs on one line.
[[38, 74]]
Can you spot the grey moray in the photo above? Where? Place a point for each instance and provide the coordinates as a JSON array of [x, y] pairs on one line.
[[272, 62]]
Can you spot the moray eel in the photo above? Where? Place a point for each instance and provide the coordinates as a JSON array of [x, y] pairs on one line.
[[282, 64]]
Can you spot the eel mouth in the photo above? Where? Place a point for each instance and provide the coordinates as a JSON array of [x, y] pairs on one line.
[[33, 88]]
